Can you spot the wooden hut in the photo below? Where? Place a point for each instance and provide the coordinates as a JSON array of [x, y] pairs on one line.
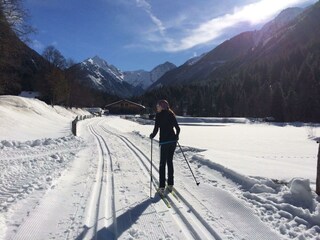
[[125, 107]]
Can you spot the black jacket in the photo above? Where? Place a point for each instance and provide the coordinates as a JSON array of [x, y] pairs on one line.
[[166, 121]]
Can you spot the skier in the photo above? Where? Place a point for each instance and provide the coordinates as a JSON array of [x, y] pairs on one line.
[[166, 121]]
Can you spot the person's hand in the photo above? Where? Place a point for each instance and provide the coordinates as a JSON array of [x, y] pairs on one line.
[[151, 136], [177, 137]]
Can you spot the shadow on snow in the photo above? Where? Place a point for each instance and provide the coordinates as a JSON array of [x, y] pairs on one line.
[[122, 223]]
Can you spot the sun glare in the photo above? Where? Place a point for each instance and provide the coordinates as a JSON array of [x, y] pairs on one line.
[[262, 10], [255, 13]]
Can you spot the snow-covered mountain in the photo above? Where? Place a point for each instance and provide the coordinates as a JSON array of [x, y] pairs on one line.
[[99, 74], [144, 79], [102, 64], [96, 73], [137, 78]]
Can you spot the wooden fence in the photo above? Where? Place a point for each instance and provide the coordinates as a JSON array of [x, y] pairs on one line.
[[80, 118]]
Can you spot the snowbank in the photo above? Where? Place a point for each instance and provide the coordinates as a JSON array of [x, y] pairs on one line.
[[32, 165], [29, 119], [292, 208], [36, 147]]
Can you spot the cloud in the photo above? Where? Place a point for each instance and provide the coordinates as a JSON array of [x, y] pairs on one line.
[[206, 32], [147, 8]]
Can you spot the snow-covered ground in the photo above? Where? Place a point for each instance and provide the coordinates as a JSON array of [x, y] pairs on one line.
[[257, 180]]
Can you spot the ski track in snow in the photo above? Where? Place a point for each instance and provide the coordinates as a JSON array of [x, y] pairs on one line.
[[102, 199], [192, 219], [99, 185], [141, 213], [183, 210]]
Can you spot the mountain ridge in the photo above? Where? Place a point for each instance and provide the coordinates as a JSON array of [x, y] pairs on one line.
[[144, 79], [228, 50], [275, 79], [98, 74]]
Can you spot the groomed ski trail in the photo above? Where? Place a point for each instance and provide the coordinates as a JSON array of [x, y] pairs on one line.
[[101, 221], [217, 212], [190, 221], [148, 214], [105, 194]]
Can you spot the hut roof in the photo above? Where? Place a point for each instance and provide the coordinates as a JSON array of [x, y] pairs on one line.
[[127, 101]]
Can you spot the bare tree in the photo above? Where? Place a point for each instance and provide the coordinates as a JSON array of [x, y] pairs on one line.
[[70, 62], [9, 56], [55, 76], [17, 17], [54, 56]]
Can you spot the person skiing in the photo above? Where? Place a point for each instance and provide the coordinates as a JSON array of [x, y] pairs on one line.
[[166, 121]]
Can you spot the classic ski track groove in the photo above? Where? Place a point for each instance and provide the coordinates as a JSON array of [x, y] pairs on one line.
[[175, 214], [197, 226], [106, 190], [148, 215]]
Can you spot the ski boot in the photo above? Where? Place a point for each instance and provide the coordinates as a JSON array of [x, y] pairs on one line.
[[170, 188], [161, 191]]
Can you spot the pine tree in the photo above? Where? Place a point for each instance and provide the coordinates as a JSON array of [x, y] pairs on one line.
[[277, 103]]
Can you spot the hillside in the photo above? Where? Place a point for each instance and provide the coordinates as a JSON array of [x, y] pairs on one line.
[[19, 65], [227, 51], [271, 72], [279, 78]]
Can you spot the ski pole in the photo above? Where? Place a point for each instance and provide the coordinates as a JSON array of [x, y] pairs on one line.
[[188, 165], [151, 169]]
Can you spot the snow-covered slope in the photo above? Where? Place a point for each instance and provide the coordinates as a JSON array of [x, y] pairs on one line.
[[137, 78], [96, 73], [102, 64], [144, 79], [28, 119]]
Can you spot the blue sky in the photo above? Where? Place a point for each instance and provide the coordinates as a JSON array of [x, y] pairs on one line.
[[141, 34]]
